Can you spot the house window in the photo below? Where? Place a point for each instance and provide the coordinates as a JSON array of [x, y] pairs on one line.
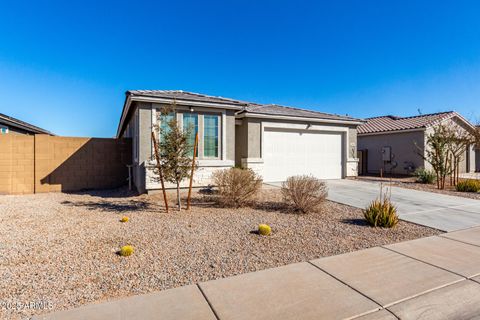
[[3, 130], [210, 136], [190, 122], [165, 120]]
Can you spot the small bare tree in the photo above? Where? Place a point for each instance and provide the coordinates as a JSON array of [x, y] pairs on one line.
[[436, 152], [175, 150], [460, 140], [445, 149]]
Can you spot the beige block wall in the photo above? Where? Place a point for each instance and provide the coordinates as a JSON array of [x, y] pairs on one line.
[[16, 164], [43, 163]]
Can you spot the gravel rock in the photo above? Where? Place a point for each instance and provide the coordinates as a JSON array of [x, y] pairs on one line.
[[61, 248], [410, 183]]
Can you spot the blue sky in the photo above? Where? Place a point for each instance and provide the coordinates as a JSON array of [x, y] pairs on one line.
[[65, 65]]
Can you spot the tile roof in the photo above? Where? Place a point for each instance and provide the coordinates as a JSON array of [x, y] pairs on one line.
[[184, 95], [13, 122], [244, 106], [393, 123]]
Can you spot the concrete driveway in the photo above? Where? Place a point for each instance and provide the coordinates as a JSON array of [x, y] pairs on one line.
[[443, 212]]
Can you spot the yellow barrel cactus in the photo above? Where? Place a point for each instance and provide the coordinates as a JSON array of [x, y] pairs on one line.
[[264, 229], [124, 219], [126, 251]]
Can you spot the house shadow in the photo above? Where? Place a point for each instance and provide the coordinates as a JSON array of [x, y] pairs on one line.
[[109, 206], [272, 206], [356, 222], [82, 165]]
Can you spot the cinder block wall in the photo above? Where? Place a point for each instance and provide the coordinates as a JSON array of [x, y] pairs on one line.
[[16, 164], [43, 163]]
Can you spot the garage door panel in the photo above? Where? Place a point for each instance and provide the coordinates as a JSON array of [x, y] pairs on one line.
[[288, 153]]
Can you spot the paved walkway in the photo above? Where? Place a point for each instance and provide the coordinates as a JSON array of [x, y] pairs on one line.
[[443, 212], [430, 278]]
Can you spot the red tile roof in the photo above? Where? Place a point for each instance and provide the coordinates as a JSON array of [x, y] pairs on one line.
[[393, 123]]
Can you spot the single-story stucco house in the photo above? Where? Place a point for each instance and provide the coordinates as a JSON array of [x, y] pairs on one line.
[[275, 141], [391, 143], [10, 125]]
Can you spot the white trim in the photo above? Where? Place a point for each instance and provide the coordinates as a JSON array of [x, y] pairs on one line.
[[224, 135], [220, 143], [252, 160], [266, 116], [215, 163]]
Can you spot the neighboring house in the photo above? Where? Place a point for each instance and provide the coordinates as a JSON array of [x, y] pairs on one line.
[[392, 143], [9, 125], [274, 141], [477, 154]]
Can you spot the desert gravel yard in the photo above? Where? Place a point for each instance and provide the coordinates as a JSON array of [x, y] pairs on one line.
[[60, 249]]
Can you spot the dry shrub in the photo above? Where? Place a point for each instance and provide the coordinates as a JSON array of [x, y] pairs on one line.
[[304, 193], [468, 185], [236, 186]]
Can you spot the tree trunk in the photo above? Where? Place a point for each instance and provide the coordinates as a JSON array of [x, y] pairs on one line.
[[178, 197]]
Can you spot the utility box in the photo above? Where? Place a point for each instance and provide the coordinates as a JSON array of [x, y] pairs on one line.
[[387, 154]]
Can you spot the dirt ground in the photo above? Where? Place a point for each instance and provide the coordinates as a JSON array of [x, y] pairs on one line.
[[58, 250]]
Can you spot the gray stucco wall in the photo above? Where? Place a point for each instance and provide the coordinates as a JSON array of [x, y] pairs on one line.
[[254, 138], [241, 142], [402, 147], [250, 131], [230, 123], [140, 128]]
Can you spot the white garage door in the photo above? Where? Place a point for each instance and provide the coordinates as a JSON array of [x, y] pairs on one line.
[[289, 153]]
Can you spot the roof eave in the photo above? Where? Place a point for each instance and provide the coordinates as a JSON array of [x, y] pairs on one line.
[[242, 114], [131, 97]]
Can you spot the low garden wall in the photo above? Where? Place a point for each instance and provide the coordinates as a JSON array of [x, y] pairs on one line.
[[43, 163]]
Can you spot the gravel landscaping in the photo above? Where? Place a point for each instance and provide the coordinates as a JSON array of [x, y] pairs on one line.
[[61, 248], [410, 183]]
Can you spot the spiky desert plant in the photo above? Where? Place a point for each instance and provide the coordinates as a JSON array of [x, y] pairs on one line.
[[381, 213], [469, 185]]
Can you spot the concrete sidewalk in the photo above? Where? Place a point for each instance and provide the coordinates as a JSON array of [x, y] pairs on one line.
[[440, 211], [430, 278]]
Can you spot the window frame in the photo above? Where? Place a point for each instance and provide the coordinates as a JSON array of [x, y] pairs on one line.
[[196, 130], [219, 136], [4, 129]]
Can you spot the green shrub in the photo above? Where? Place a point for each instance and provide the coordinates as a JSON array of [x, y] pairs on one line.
[[264, 229], [236, 186], [381, 213], [468, 185], [126, 251], [304, 193], [425, 176]]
